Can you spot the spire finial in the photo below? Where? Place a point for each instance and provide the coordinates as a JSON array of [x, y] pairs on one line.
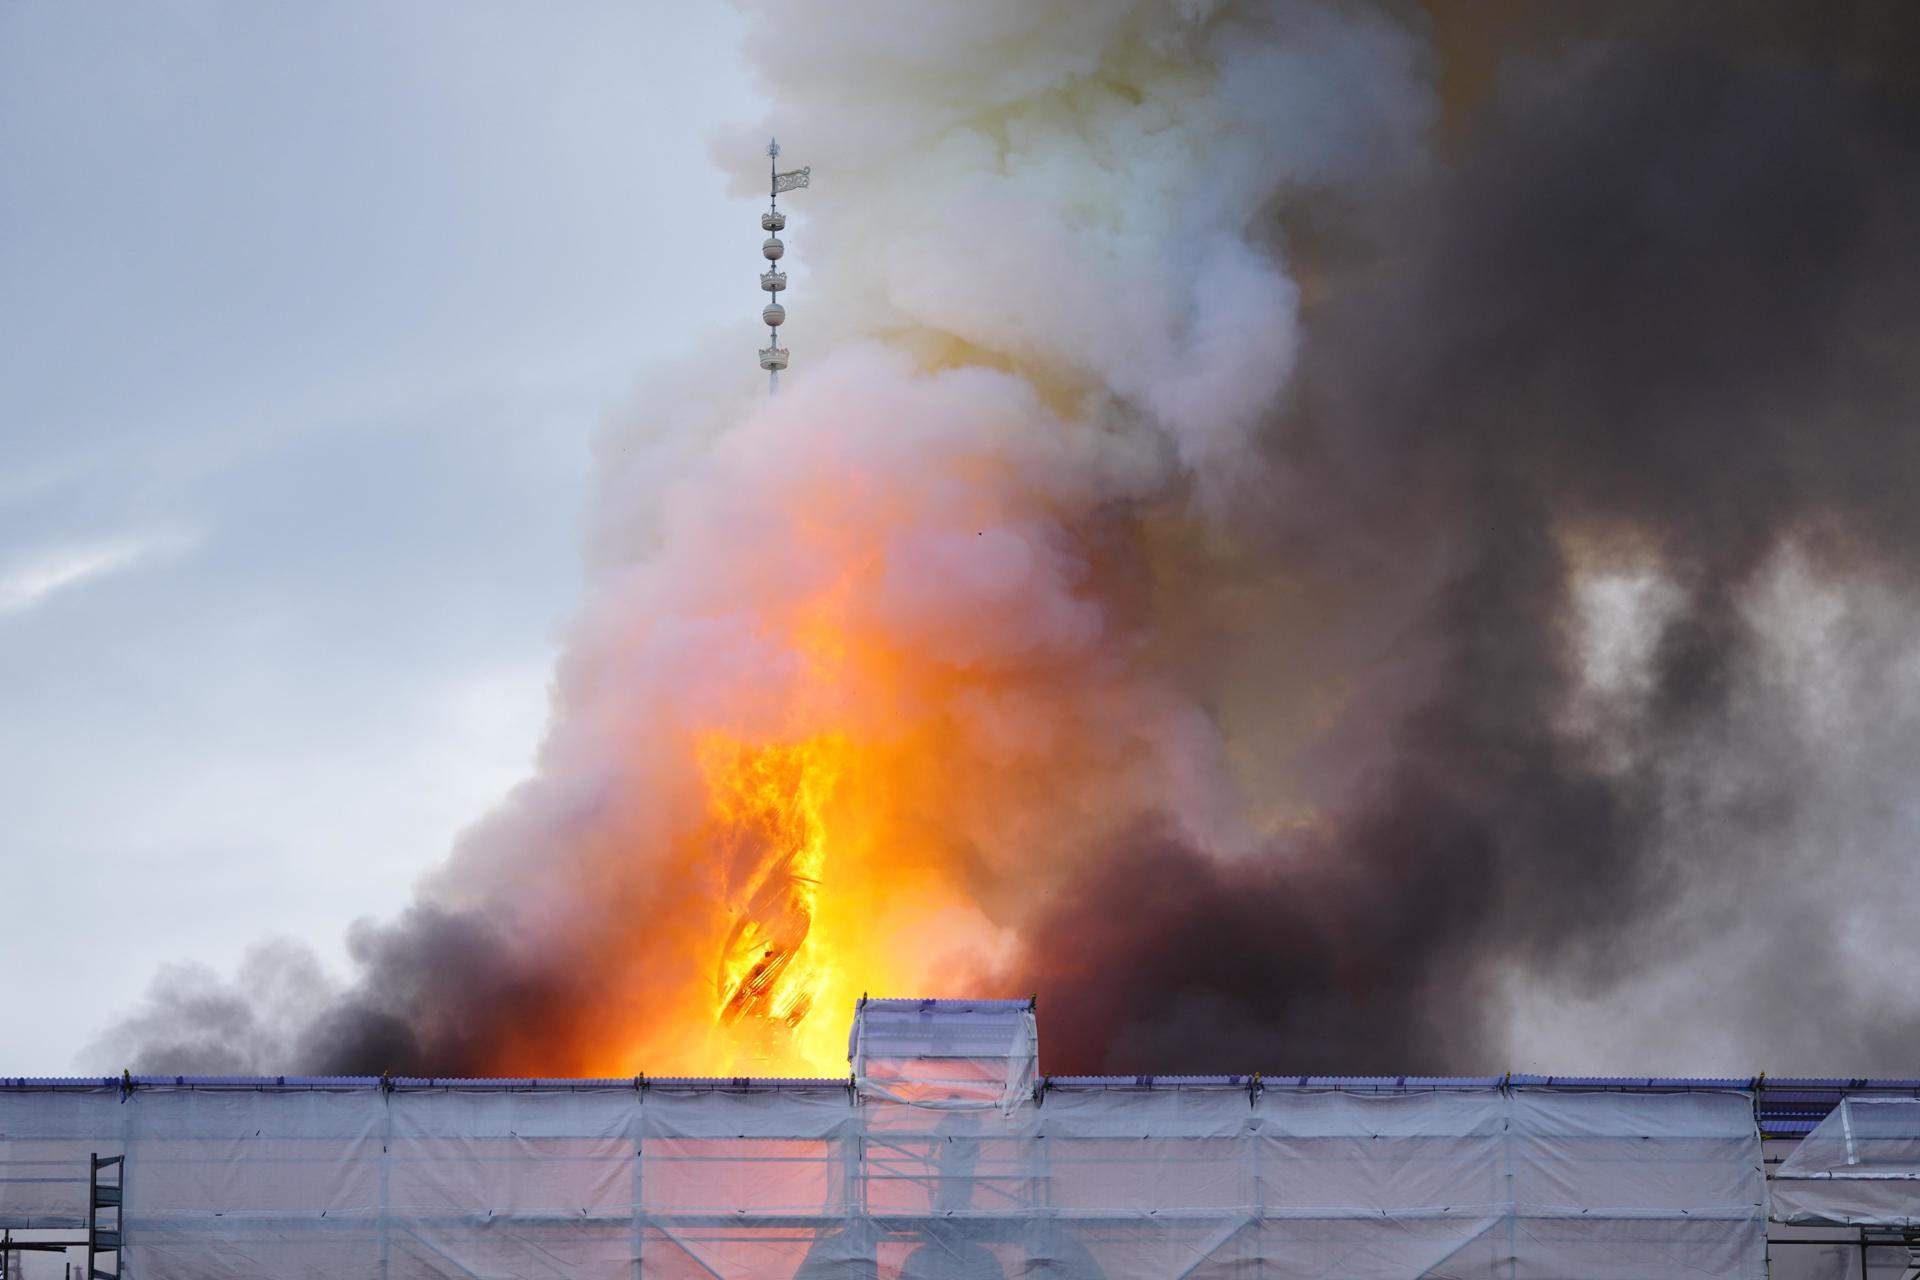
[[773, 356]]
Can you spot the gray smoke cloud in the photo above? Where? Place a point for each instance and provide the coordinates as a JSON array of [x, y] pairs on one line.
[[1450, 589], [1604, 449]]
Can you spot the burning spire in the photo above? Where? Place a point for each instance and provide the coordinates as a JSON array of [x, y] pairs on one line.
[[770, 834], [773, 356]]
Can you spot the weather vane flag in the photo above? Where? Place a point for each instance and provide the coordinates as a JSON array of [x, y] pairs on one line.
[[773, 356]]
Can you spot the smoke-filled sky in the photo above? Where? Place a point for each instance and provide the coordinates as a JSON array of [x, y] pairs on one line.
[[1315, 537]]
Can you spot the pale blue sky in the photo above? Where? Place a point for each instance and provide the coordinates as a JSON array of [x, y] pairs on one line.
[[307, 315]]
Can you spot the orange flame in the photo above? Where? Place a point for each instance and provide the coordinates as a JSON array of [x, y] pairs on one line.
[[842, 825], [771, 838]]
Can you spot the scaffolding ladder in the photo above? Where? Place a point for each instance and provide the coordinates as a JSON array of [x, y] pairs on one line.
[[103, 1197]]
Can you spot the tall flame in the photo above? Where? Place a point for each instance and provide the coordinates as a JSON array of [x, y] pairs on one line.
[[821, 891], [770, 836]]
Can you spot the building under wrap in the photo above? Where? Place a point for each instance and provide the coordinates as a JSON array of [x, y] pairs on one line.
[[946, 1154]]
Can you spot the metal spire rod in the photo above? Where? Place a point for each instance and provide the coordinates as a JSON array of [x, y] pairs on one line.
[[773, 356]]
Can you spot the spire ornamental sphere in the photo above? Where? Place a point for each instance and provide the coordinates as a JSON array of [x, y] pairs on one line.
[[773, 357]]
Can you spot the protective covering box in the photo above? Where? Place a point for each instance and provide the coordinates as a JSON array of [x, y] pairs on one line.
[[1859, 1167], [952, 1054]]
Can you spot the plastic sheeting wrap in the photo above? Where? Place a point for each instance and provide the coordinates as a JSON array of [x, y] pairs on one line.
[[1859, 1167], [731, 1179], [952, 1054]]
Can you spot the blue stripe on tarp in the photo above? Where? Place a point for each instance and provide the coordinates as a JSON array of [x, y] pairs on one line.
[[1783, 1107], [932, 1004], [1665, 1084], [1774, 1087]]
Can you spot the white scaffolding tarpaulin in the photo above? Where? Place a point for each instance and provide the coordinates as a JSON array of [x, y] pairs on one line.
[[713, 1180], [1090, 1180], [1859, 1167]]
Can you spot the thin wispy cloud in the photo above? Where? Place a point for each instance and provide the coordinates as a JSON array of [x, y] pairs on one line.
[[30, 578]]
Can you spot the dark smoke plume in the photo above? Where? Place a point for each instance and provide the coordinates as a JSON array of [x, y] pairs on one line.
[[1663, 306]]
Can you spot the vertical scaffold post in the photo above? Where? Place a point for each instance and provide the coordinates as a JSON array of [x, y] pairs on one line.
[[102, 1238]]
